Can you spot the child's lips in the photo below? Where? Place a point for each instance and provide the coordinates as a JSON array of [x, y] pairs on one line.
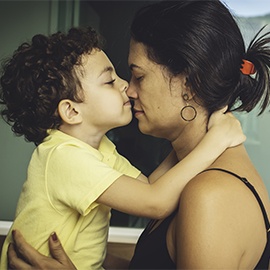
[[127, 103]]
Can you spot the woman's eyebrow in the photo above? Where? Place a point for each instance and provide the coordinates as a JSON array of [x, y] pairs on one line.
[[133, 66], [106, 69]]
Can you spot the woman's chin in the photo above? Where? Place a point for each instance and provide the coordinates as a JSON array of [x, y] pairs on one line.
[[144, 128]]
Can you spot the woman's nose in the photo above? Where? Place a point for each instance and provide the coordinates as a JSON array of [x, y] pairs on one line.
[[131, 92]]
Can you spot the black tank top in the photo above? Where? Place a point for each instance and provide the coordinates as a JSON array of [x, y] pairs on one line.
[[151, 250]]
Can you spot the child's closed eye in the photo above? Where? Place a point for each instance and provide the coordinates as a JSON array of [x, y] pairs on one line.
[[110, 82]]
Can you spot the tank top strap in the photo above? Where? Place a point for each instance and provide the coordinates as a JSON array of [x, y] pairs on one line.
[[253, 190]]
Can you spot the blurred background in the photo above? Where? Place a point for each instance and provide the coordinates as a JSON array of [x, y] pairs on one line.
[[21, 19]]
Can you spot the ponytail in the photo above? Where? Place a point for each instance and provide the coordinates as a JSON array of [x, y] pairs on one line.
[[258, 53]]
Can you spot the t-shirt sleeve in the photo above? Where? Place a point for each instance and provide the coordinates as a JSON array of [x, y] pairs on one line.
[[75, 178], [124, 166]]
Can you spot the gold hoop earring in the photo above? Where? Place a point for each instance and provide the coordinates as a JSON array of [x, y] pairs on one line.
[[188, 110]]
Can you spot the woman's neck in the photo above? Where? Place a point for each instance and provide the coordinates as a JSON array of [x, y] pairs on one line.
[[189, 138]]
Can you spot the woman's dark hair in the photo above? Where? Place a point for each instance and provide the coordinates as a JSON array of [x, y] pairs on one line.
[[39, 75], [202, 40]]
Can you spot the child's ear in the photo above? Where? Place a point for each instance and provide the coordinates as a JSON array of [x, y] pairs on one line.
[[69, 112]]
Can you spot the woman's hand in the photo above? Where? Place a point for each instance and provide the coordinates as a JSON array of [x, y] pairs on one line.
[[228, 126], [23, 256]]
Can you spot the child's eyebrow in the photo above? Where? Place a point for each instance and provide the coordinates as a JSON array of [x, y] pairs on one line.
[[106, 69]]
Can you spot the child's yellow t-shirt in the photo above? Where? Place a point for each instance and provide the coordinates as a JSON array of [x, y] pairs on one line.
[[65, 177]]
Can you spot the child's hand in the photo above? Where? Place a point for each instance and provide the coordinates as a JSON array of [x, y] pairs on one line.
[[227, 128]]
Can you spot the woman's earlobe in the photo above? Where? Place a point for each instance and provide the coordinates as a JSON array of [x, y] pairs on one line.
[[68, 112]]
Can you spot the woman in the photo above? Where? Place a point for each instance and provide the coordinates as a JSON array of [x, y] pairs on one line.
[[188, 58], [199, 44]]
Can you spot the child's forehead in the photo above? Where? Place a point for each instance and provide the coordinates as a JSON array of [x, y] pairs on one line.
[[97, 61], [94, 64]]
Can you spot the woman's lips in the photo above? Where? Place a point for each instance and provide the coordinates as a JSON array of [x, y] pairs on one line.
[[137, 112]]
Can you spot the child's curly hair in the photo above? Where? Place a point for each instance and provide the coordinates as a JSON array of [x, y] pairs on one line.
[[39, 75]]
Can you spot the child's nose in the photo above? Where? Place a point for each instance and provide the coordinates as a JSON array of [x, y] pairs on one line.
[[124, 87]]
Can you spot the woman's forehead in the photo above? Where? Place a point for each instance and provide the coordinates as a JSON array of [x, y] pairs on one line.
[[137, 51], [138, 58]]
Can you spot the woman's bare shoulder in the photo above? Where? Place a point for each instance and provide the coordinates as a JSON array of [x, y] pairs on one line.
[[211, 183], [214, 192], [214, 209]]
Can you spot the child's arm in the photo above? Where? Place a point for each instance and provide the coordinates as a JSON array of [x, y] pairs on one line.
[[218, 120], [159, 199], [164, 166]]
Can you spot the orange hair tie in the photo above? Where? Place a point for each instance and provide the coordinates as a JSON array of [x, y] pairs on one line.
[[247, 68]]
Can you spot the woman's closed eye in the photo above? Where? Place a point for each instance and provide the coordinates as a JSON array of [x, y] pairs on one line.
[[139, 78]]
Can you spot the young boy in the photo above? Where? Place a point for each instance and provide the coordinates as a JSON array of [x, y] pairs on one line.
[[62, 93]]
